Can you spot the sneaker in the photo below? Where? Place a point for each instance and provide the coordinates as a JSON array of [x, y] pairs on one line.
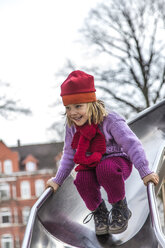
[[100, 216], [119, 216]]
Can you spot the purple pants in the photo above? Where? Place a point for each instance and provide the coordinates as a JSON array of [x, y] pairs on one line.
[[110, 173]]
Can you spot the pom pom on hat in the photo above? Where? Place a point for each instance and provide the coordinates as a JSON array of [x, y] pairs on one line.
[[78, 88]]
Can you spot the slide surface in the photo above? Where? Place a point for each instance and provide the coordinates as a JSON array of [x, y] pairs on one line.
[[59, 220]]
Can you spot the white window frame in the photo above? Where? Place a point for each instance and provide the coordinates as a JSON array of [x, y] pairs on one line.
[[5, 212], [16, 215], [4, 188], [7, 238], [39, 187], [25, 189], [14, 192], [8, 166], [30, 166], [25, 214]]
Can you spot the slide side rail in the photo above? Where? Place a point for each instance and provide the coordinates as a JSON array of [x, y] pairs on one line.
[[29, 229], [155, 215]]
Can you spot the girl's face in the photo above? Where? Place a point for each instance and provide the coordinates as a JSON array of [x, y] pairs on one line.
[[77, 113]]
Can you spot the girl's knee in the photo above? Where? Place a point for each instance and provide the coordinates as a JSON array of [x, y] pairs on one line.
[[79, 179], [108, 173], [108, 169], [85, 179]]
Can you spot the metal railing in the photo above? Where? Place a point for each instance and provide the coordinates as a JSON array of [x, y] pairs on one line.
[[155, 215], [151, 199], [29, 229], [163, 198]]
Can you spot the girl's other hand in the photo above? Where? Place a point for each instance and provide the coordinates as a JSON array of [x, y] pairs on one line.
[[52, 184], [153, 177]]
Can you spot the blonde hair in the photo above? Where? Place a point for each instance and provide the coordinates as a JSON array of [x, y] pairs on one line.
[[95, 111]]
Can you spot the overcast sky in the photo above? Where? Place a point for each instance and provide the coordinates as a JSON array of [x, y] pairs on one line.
[[36, 37]]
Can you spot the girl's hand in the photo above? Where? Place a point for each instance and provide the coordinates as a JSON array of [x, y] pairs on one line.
[[52, 184], [153, 177]]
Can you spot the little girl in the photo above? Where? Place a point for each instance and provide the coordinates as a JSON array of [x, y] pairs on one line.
[[104, 148]]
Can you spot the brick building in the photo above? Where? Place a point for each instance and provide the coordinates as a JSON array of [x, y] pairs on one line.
[[24, 172]]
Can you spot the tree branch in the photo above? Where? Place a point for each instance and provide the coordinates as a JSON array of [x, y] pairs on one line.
[[135, 108]]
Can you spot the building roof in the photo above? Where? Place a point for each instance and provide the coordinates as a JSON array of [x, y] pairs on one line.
[[44, 153]]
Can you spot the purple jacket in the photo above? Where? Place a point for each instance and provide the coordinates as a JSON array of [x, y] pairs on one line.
[[120, 141]]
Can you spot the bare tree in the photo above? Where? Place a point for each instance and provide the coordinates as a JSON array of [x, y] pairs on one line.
[[129, 35], [8, 105], [160, 5], [127, 38], [125, 48]]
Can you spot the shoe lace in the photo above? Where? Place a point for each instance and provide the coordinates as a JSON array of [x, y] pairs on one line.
[[98, 217], [116, 213], [90, 216]]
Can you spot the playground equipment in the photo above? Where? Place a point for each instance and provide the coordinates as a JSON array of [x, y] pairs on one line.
[[56, 220]]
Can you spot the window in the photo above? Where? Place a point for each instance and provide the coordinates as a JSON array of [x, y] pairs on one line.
[[39, 187], [0, 167], [14, 193], [8, 166], [7, 241], [17, 242], [15, 215], [5, 214], [30, 166], [25, 190], [4, 191], [25, 214]]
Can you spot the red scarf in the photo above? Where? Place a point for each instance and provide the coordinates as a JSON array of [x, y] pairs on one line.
[[88, 138]]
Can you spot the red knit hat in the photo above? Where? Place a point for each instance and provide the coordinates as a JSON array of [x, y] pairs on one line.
[[78, 88]]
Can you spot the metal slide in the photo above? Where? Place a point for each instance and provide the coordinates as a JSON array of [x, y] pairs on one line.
[[56, 220]]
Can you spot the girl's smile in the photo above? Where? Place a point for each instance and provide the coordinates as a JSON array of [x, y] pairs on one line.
[[77, 113]]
